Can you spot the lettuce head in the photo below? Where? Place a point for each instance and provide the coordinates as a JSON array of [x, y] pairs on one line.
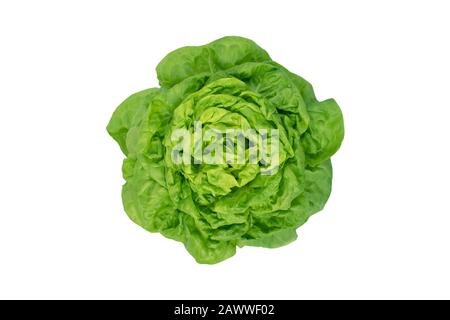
[[230, 85]]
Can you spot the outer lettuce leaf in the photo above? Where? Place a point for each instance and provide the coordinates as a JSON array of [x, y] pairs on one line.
[[128, 114], [218, 55], [325, 133], [212, 208]]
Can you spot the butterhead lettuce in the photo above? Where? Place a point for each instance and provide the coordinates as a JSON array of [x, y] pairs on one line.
[[213, 207]]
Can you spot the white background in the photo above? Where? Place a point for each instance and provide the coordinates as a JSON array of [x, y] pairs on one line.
[[66, 65]]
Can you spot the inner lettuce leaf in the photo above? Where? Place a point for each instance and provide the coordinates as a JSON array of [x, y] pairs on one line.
[[212, 208]]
